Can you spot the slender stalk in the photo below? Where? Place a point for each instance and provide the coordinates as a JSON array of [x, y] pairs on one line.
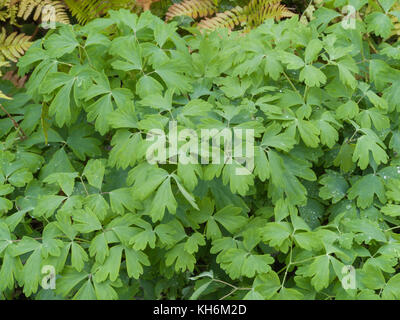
[[230, 285], [15, 123], [292, 85]]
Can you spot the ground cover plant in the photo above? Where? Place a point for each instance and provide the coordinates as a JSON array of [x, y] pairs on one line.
[[83, 207]]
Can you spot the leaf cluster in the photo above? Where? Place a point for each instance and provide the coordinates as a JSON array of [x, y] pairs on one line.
[[77, 192]]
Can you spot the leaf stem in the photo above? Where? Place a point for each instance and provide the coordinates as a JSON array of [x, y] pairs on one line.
[[84, 186], [235, 288], [15, 123], [290, 260], [292, 85]]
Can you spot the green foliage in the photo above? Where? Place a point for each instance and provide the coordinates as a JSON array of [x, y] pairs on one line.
[[78, 193], [381, 16]]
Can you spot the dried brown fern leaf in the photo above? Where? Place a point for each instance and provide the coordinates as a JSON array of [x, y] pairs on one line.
[[43, 9], [396, 20], [18, 81], [249, 17], [228, 19], [191, 8]]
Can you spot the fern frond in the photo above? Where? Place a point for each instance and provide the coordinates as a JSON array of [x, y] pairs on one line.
[[36, 7], [228, 19], [86, 10], [191, 8], [12, 47], [257, 11], [9, 10], [3, 64], [396, 21], [249, 17], [17, 81], [3, 15]]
